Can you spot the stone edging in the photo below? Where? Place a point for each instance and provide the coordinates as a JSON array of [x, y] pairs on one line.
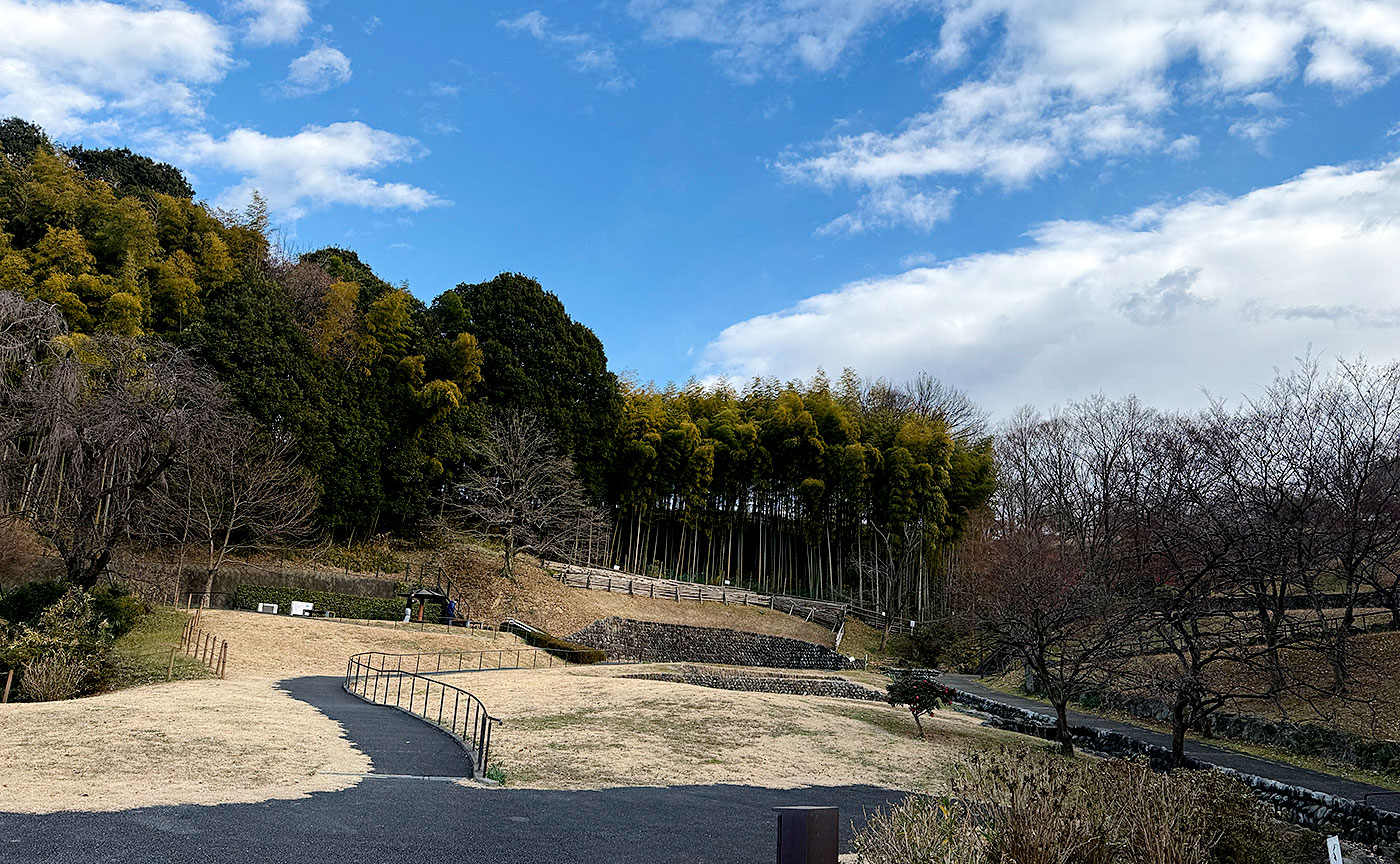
[[792, 685]]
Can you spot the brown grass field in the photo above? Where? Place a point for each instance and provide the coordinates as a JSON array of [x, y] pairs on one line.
[[591, 728], [242, 739]]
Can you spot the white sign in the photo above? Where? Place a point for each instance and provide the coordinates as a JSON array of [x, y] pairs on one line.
[[1334, 850]]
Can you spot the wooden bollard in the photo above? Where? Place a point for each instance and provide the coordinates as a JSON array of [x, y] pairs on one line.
[[170, 670], [9, 679], [223, 659]]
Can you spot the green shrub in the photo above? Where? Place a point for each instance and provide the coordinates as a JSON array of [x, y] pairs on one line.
[[67, 649], [342, 605], [561, 648], [496, 772], [118, 607], [24, 604]]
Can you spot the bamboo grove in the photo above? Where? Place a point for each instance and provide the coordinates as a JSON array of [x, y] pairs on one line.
[[854, 491]]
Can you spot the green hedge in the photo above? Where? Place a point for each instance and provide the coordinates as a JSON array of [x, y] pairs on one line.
[[561, 648], [342, 605]]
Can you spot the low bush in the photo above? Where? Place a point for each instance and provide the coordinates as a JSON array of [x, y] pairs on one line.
[[66, 651], [52, 676], [342, 605], [25, 603], [1031, 807], [561, 648], [919, 693]]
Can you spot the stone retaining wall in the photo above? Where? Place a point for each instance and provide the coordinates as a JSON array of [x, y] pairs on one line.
[[792, 685], [1353, 820], [653, 642]]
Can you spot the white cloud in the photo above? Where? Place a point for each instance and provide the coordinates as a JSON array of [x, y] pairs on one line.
[[756, 36], [1209, 292], [317, 71], [1076, 80], [1258, 130], [272, 22], [589, 54], [894, 203], [62, 63], [317, 167]]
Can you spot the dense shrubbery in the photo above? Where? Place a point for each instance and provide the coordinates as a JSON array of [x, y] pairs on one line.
[[1030, 807], [64, 650], [341, 605]]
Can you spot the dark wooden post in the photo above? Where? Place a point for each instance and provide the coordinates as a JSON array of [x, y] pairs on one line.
[[807, 835]]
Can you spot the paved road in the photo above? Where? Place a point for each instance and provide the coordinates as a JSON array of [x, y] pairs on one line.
[[1290, 774], [390, 817]]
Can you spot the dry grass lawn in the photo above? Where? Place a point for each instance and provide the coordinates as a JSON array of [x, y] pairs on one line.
[[186, 742], [590, 728], [201, 742], [279, 646], [538, 598]]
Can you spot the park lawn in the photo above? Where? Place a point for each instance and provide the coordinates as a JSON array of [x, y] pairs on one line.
[[593, 728], [142, 655]]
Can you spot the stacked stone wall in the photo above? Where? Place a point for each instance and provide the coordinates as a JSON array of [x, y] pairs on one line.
[[654, 642], [754, 682]]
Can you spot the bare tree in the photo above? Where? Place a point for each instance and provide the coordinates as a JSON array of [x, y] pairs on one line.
[[1045, 578], [237, 489], [95, 422], [522, 492]]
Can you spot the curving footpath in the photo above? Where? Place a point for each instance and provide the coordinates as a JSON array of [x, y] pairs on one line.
[[396, 742]]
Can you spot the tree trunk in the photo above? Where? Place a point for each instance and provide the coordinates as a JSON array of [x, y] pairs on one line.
[[1062, 727]]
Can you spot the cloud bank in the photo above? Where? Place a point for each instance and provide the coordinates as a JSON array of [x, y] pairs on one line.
[[70, 66], [319, 166], [1210, 292]]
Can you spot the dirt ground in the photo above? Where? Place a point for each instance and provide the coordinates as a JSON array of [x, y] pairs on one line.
[[587, 729], [201, 742]]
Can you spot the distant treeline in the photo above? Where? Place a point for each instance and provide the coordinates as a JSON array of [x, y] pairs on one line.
[[848, 489]]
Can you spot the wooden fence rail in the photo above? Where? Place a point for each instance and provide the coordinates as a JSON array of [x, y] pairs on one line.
[[829, 614], [211, 650]]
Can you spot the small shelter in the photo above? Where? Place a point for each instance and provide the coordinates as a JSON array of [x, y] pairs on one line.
[[424, 596]]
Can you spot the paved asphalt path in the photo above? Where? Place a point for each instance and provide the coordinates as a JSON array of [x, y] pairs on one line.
[[390, 817], [1290, 774]]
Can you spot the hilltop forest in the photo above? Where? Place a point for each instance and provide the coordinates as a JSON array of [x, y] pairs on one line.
[[850, 489]]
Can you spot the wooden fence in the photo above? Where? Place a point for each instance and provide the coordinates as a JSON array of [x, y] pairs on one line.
[[825, 612], [209, 648]]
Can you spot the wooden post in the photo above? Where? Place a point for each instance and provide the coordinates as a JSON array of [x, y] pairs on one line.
[[9, 679], [223, 659], [170, 669]]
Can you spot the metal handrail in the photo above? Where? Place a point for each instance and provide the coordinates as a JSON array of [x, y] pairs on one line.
[[468, 722]]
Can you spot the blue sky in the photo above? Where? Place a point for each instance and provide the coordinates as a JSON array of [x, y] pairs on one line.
[[1031, 200]]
